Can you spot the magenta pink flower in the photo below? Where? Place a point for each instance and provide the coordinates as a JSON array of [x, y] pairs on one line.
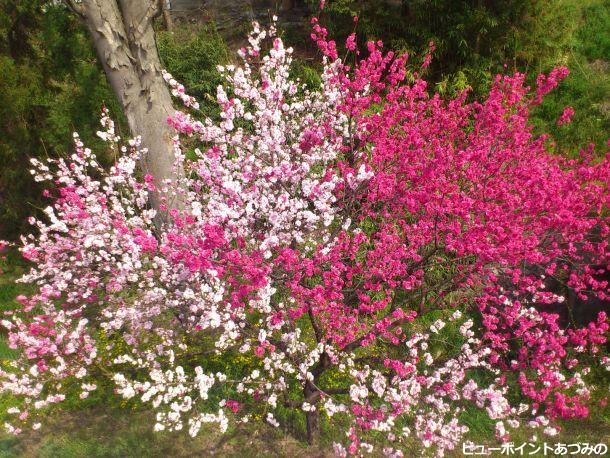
[[566, 116]]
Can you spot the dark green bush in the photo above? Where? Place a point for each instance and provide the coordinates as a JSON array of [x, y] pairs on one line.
[[191, 55], [50, 85]]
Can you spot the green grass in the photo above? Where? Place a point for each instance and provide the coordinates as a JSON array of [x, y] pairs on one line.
[[99, 432]]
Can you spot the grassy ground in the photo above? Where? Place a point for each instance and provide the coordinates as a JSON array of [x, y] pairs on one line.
[[97, 432], [10, 270]]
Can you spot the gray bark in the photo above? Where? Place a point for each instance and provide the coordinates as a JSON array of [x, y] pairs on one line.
[[167, 17], [123, 35]]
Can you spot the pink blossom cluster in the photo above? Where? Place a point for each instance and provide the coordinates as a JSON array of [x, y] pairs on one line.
[[566, 116], [365, 244]]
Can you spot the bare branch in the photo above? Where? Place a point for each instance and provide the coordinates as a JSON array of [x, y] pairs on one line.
[[314, 325]]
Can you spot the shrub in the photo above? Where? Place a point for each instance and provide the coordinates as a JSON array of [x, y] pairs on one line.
[[192, 55]]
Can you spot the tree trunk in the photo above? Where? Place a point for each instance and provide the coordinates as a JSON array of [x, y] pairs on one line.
[[312, 419], [124, 39], [313, 427], [167, 17]]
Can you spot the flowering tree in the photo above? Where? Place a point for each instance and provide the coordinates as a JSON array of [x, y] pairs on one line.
[[362, 250]]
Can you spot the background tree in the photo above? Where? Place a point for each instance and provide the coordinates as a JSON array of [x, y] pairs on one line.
[[124, 38]]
